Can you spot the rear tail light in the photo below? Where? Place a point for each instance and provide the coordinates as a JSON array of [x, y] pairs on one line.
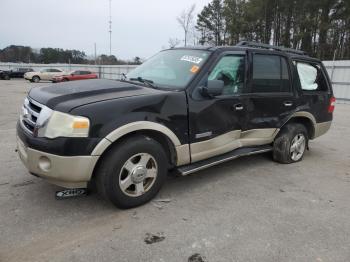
[[331, 105]]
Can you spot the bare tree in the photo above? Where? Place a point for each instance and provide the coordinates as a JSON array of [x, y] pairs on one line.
[[173, 42], [185, 20], [195, 37]]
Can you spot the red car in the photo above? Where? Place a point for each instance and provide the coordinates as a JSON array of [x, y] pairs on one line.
[[75, 75]]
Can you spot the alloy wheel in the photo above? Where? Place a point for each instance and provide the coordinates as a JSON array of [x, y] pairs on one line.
[[138, 174], [297, 147]]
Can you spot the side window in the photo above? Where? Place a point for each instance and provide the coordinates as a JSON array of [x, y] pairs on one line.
[[270, 74], [230, 69], [311, 77]]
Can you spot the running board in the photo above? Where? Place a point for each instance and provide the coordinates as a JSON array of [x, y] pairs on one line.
[[245, 151]]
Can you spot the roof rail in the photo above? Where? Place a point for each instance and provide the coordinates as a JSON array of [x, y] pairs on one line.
[[271, 47]]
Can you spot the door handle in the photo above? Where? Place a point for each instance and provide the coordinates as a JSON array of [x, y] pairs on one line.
[[238, 107], [287, 103]]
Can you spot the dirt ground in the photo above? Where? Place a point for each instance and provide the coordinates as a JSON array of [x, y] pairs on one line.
[[249, 209]]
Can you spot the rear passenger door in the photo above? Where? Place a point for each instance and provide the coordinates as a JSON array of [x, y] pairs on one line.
[[54, 72], [45, 74], [271, 99], [315, 89], [84, 74]]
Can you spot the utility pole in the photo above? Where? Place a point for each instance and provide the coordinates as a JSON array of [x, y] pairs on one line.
[[95, 52], [110, 27]]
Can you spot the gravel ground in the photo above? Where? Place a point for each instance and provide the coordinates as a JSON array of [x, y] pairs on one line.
[[250, 209]]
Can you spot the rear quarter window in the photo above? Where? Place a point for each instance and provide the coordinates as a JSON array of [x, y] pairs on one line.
[[311, 77]]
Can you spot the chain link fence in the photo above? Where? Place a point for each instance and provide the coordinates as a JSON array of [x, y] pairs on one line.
[[104, 71], [339, 72]]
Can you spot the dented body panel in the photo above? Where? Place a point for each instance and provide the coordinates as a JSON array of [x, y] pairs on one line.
[[195, 127]]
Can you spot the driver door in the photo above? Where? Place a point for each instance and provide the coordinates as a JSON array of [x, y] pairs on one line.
[[76, 75], [216, 122]]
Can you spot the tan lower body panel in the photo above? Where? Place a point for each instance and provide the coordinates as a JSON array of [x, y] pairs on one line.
[[70, 172], [230, 141], [183, 154], [322, 128]]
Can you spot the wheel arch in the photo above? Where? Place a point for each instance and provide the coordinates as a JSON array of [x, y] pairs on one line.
[[36, 76], [177, 154], [305, 118]]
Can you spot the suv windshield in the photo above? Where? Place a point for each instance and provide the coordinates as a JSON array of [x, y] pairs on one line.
[[171, 68]]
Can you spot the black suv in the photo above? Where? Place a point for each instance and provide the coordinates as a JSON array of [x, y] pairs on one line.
[[184, 109]]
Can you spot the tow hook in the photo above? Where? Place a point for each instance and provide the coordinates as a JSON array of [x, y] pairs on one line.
[[71, 193]]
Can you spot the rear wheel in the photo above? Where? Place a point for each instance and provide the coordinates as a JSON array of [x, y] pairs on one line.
[[35, 79], [7, 77], [132, 172], [291, 143]]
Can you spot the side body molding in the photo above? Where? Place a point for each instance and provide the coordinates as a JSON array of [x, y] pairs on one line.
[[182, 151]]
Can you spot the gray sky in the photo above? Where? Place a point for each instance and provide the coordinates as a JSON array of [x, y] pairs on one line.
[[140, 27]]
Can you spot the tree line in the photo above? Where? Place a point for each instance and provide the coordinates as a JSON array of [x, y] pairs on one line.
[[319, 27], [25, 54]]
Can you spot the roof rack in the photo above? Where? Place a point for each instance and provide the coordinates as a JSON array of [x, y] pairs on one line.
[[271, 47]]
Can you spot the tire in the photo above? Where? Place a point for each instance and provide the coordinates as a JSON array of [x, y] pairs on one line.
[[64, 80], [290, 144], [7, 77], [36, 79], [123, 165]]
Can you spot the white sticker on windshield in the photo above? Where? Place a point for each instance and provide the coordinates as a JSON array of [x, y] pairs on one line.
[[192, 59]]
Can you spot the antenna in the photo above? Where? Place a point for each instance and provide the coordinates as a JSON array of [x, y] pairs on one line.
[[110, 27]]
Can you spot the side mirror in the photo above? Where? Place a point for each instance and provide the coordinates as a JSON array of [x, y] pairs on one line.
[[213, 88]]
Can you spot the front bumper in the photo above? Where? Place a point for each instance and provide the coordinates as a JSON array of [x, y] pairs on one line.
[[65, 171]]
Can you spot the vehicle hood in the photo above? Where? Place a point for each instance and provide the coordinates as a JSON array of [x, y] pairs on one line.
[[68, 95]]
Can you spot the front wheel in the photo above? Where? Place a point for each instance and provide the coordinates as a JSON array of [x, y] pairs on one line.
[[132, 172], [290, 145], [35, 79]]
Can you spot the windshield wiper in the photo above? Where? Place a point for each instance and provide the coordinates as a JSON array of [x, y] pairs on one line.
[[144, 81]]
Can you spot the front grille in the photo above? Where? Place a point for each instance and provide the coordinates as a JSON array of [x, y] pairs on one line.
[[30, 114], [35, 107]]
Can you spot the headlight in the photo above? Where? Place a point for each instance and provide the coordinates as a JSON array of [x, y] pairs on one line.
[[64, 125]]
